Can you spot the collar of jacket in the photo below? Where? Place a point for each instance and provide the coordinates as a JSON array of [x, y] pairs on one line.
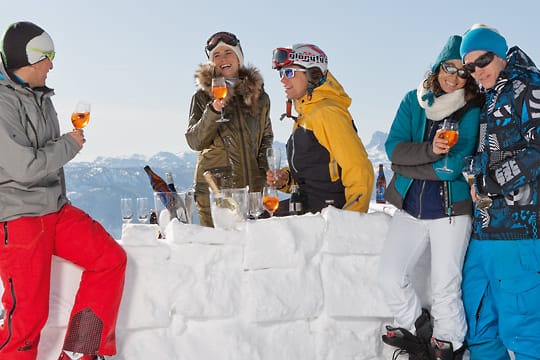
[[249, 84], [330, 90]]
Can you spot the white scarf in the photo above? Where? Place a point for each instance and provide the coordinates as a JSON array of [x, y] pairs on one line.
[[443, 105]]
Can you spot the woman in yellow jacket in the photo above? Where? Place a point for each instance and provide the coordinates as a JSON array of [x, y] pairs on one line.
[[325, 155]]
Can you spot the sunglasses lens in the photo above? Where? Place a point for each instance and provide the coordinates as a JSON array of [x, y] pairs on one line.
[[462, 74], [449, 69], [286, 73], [484, 60], [470, 67]]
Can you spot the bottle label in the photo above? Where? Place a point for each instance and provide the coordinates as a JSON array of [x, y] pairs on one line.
[[379, 194], [295, 208]]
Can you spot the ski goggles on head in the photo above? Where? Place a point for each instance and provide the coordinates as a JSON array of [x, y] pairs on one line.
[[481, 62], [289, 72], [227, 37], [281, 57], [451, 70], [50, 53]]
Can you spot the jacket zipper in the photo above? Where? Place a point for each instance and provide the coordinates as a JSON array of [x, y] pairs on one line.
[[420, 198], [244, 157], [5, 233], [292, 152]]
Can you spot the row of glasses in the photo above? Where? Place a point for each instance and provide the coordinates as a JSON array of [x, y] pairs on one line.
[[142, 209]]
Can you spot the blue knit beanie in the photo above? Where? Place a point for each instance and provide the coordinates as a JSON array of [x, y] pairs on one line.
[[483, 38], [450, 51]]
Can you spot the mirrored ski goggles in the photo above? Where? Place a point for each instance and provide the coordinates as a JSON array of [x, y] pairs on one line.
[[227, 37], [281, 57], [451, 70], [289, 72], [481, 62], [50, 53]]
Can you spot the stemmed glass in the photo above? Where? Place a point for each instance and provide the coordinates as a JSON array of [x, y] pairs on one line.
[[81, 115], [471, 168], [273, 156], [270, 199], [143, 209], [449, 133], [219, 90], [126, 209], [255, 205]]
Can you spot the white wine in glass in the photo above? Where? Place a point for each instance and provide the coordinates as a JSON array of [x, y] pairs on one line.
[[81, 115], [219, 90]]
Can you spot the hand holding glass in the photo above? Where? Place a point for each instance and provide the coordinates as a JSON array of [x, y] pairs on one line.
[[219, 90], [449, 133], [273, 156], [81, 115], [471, 168]]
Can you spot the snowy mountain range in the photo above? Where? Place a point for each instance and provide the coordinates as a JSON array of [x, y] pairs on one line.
[[96, 187]]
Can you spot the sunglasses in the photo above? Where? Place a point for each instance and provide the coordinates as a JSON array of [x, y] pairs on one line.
[[281, 57], [451, 70], [481, 62], [226, 37], [289, 72], [50, 54]]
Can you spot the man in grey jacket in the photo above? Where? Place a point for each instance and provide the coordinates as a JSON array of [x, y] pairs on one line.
[[37, 220]]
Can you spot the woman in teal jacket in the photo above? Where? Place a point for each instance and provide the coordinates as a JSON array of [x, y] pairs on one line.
[[434, 209]]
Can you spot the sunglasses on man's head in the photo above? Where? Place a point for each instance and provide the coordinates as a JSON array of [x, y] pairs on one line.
[[289, 72], [481, 62], [50, 53], [451, 70], [227, 37]]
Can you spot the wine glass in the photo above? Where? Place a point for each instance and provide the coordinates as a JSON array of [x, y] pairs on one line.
[[273, 156], [143, 209], [126, 209], [470, 169], [219, 90], [449, 133], [255, 205], [270, 199], [81, 115]]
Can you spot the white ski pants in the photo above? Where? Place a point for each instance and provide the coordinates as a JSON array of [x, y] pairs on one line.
[[407, 239]]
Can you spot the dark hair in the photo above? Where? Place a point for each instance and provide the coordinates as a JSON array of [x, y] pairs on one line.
[[432, 83]]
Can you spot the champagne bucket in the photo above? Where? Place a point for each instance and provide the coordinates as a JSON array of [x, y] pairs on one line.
[[182, 206], [226, 217]]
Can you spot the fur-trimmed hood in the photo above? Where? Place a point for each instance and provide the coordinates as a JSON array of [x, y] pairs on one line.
[[248, 86]]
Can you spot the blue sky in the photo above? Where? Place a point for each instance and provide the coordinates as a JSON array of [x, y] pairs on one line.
[[135, 60]]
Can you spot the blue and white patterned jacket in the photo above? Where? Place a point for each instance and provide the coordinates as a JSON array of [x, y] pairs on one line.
[[509, 148]]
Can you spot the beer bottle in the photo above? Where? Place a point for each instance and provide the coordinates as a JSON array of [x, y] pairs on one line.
[[160, 186], [295, 202], [380, 186]]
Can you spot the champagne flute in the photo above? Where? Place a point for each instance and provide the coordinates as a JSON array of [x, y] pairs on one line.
[[471, 168], [126, 209], [273, 156], [255, 205], [270, 199], [449, 133], [81, 115], [143, 209], [219, 90]]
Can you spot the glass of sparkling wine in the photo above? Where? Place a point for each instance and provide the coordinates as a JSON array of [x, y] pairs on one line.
[[126, 209], [471, 168], [219, 90], [270, 199], [449, 133], [143, 209], [273, 156], [81, 115]]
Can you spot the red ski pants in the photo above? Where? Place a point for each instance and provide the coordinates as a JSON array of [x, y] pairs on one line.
[[26, 248]]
